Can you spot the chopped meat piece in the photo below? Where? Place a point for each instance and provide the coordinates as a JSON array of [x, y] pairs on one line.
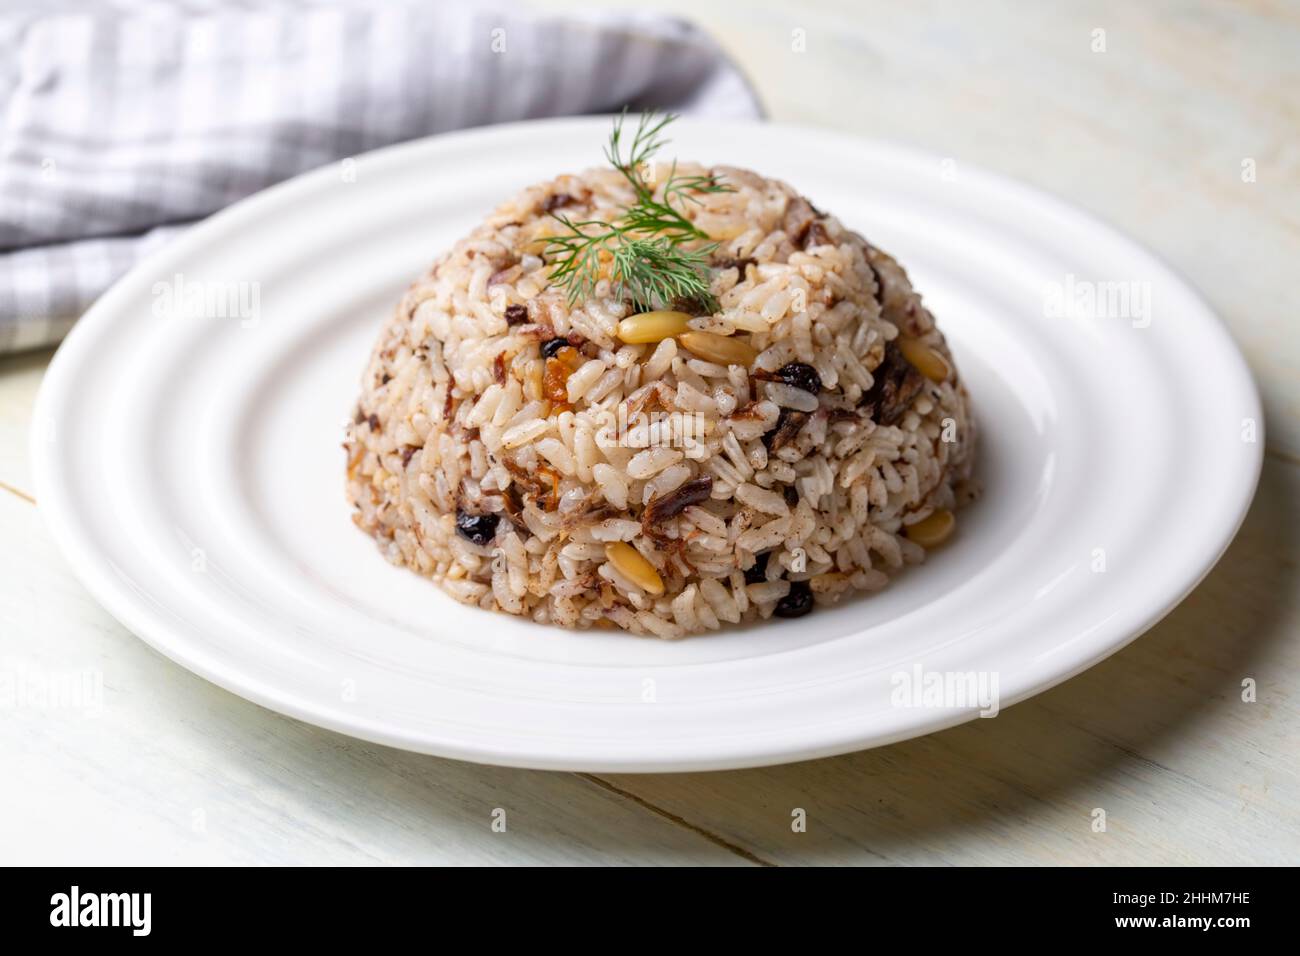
[[662, 508], [896, 384], [815, 235], [799, 215], [787, 427], [556, 201], [802, 223]]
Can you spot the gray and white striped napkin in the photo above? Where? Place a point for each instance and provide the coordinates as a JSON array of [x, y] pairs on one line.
[[123, 122]]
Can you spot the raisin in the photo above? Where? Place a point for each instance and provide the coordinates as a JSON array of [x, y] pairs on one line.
[[797, 603], [799, 375], [516, 314], [551, 346], [479, 529], [791, 495], [757, 574]]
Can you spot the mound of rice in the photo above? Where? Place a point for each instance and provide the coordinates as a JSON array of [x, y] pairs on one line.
[[529, 460]]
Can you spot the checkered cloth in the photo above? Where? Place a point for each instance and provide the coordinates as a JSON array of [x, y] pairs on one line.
[[123, 121]]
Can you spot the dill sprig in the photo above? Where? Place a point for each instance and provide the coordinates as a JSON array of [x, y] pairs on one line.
[[645, 246]]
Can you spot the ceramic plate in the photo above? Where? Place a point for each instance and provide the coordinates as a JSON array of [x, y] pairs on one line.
[[188, 463]]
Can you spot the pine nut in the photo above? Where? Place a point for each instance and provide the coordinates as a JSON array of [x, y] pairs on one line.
[[926, 360], [652, 327], [932, 530], [635, 568], [722, 349]]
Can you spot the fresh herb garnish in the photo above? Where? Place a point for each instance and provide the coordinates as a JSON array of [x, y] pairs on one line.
[[645, 246]]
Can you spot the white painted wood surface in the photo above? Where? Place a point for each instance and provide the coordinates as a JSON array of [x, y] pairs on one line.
[[1151, 135]]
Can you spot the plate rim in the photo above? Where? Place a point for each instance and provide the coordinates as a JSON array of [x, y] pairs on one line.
[[85, 560]]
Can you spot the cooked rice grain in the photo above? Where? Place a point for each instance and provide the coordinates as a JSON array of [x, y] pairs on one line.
[[698, 465]]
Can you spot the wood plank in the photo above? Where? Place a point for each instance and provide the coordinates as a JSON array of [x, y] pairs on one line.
[[116, 755], [1157, 736], [1150, 134], [19, 377]]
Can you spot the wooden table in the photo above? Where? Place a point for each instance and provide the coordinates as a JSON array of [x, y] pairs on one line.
[[1150, 134]]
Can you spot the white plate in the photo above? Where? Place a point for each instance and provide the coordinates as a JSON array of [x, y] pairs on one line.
[[190, 469]]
